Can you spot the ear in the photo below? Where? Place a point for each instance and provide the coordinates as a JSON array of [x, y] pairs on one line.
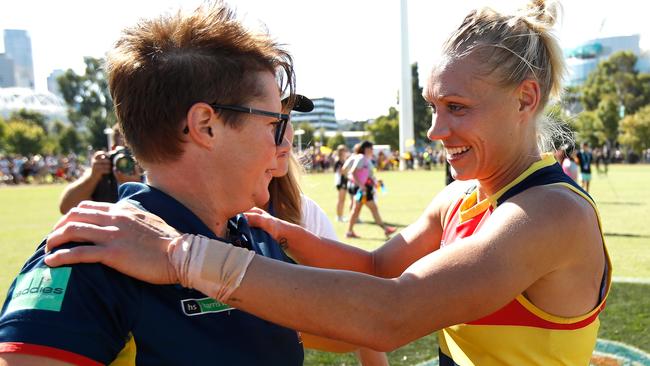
[[529, 96], [201, 121]]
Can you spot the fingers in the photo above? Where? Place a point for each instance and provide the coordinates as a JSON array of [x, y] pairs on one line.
[[152, 220], [80, 254], [79, 232], [86, 215], [101, 206], [257, 210]]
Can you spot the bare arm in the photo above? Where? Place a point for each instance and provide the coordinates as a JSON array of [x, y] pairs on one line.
[[83, 188], [460, 283], [390, 260]]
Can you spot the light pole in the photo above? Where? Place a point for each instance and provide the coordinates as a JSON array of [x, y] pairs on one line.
[[299, 132], [406, 142]]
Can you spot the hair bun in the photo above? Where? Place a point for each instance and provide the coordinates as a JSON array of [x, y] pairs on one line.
[[541, 13]]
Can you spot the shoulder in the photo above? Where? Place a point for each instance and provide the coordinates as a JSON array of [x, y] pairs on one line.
[[315, 220], [67, 285], [442, 204], [70, 307], [554, 218]]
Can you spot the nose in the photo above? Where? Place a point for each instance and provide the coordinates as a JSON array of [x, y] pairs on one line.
[[439, 129]]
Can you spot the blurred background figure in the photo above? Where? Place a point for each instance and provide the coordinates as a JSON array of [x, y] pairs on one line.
[[585, 158], [340, 180], [108, 170], [361, 186]]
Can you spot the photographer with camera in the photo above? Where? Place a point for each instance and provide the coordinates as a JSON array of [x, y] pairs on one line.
[[107, 171]]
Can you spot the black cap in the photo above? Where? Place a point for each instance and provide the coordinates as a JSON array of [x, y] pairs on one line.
[[301, 104]]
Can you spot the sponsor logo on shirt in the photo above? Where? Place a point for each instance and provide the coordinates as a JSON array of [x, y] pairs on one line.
[[192, 307], [42, 288]]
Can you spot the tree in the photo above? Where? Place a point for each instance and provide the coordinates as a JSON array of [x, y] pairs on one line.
[[589, 128], [385, 129], [336, 140], [614, 87], [33, 117], [89, 101], [307, 137], [608, 114], [421, 110], [617, 78], [3, 129], [69, 140], [24, 138], [635, 130]]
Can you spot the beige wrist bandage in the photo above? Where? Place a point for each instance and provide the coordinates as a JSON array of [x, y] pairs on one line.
[[210, 266]]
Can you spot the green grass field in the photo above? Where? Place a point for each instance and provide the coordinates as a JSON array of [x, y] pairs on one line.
[[623, 196]]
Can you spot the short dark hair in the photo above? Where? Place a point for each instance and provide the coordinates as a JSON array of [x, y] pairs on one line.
[[363, 146], [160, 67]]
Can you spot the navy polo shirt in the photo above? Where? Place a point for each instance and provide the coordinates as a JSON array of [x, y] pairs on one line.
[[90, 314]]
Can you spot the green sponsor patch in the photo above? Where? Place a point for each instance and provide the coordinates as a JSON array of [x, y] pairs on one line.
[[42, 288], [193, 307]]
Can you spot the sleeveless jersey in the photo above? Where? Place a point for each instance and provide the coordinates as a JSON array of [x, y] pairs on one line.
[[519, 333]]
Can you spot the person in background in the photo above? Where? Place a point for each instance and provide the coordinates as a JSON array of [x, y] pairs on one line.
[[585, 158], [100, 182], [340, 180], [568, 161], [361, 186], [288, 203]]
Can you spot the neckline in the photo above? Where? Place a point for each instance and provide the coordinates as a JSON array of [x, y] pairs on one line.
[[471, 207]]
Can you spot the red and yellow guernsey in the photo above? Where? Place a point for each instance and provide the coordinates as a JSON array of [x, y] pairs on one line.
[[519, 333]]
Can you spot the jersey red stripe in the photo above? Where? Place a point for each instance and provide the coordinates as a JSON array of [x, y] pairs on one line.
[[49, 352]]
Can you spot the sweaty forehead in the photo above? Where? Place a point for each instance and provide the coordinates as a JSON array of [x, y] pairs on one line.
[[455, 77]]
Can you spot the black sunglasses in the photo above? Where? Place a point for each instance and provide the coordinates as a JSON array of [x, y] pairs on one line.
[[280, 126]]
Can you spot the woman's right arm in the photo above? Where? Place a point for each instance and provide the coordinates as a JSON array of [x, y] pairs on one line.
[[390, 260]]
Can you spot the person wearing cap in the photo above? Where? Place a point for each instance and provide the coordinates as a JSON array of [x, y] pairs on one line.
[[199, 104], [287, 202]]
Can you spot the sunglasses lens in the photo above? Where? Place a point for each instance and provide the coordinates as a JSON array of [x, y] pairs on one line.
[[279, 131]]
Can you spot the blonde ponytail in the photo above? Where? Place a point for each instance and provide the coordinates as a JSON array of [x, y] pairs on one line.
[[513, 48]]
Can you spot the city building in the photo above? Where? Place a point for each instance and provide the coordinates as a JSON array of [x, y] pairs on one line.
[[18, 47], [7, 78], [321, 117], [582, 60], [52, 84]]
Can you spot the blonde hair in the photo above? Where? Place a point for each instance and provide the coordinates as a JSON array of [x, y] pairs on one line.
[[513, 48], [285, 194]]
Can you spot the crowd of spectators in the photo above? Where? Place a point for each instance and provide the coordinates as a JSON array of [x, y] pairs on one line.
[[38, 169], [321, 159]]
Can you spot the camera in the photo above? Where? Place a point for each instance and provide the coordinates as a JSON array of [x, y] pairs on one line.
[[122, 160]]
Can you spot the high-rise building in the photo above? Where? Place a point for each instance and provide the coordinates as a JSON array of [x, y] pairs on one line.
[[52, 84], [18, 46], [584, 59], [7, 78], [321, 117]]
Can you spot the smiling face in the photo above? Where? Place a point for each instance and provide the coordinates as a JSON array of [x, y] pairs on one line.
[[248, 152], [476, 120]]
